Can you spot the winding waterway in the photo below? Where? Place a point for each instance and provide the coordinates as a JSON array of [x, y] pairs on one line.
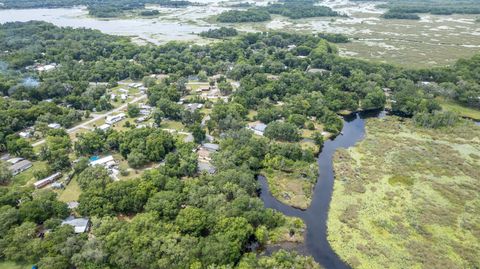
[[315, 217]]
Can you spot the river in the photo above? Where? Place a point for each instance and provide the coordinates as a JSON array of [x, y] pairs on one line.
[[315, 217]]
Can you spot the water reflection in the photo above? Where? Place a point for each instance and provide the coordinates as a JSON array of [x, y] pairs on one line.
[[316, 215]]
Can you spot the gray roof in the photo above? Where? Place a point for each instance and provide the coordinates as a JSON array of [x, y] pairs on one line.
[[260, 127], [211, 147], [21, 165], [79, 224]]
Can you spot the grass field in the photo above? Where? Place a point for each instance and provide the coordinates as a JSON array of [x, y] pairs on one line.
[[71, 192], [407, 197], [463, 111]]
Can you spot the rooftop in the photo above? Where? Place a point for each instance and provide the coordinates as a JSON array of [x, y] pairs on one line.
[[80, 225]]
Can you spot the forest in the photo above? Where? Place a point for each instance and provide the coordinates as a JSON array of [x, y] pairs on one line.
[[195, 220], [290, 9], [406, 9], [219, 33]]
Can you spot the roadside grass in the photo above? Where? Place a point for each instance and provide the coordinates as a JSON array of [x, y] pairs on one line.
[[463, 111], [407, 197]]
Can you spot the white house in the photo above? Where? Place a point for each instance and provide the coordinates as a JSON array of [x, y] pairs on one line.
[[102, 161], [104, 127], [25, 134], [54, 125], [44, 182], [115, 118]]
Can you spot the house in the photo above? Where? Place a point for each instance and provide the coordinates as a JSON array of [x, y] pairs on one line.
[[54, 125], [257, 127], [205, 150], [318, 71], [193, 107], [113, 96], [114, 119], [14, 160], [122, 90], [145, 112], [103, 161], [46, 67], [210, 147], [57, 185], [44, 182], [135, 85], [104, 127], [25, 134], [20, 166], [140, 119], [124, 96], [80, 225], [145, 106]]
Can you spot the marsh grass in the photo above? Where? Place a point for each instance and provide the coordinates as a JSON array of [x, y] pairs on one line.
[[407, 197]]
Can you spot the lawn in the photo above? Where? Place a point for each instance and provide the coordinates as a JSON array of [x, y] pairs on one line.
[[27, 176], [463, 111], [71, 192], [176, 125], [407, 197]]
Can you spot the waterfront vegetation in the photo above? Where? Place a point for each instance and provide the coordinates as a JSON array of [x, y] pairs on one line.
[[219, 33], [410, 193], [294, 84], [249, 15], [407, 9], [292, 10]]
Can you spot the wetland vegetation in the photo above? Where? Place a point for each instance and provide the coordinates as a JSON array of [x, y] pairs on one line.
[[407, 196], [197, 125]]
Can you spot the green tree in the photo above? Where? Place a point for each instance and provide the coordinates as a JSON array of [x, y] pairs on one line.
[[5, 174], [133, 110], [95, 177], [225, 88], [198, 133], [136, 159], [283, 131], [192, 220], [318, 139]]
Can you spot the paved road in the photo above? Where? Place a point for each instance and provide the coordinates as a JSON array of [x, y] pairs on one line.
[[97, 117]]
